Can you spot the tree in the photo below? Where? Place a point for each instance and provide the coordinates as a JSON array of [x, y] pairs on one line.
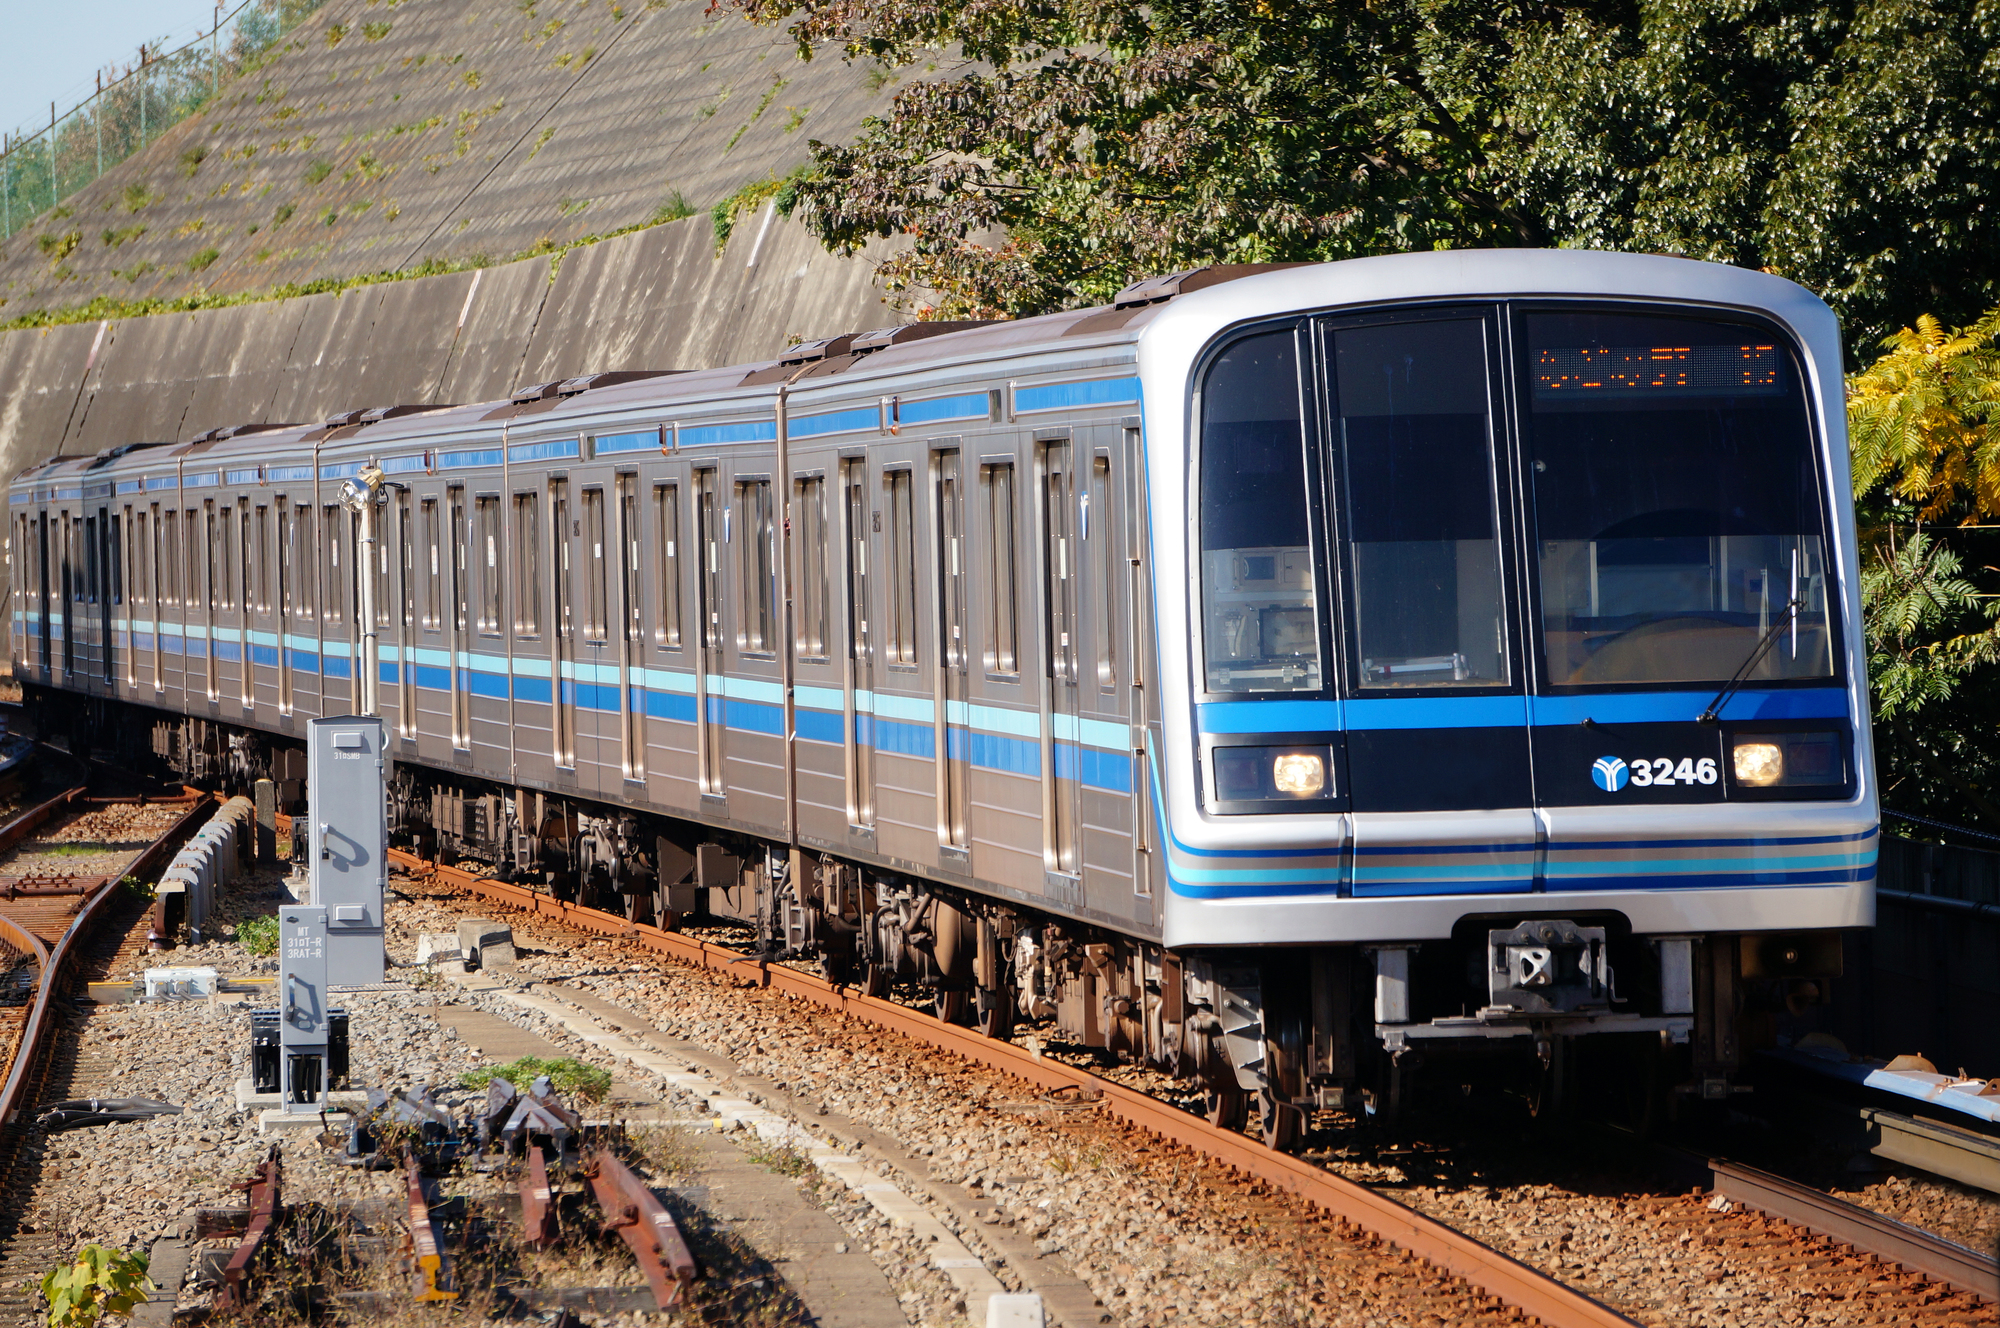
[[1083, 143]]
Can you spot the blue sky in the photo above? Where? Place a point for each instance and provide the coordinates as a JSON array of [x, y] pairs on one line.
[[54, 48]]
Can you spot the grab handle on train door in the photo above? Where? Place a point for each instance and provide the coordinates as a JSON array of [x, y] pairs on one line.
[[325, 833]]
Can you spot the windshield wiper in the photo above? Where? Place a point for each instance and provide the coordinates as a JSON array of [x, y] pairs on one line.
[[1742, 675]]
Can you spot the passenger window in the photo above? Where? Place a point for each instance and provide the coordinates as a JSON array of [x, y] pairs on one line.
[[434, 571], [304, 560], [1002, 639], [141, 554], [527, 585], [1412, 408], [559, 543], [810, 502], [902, 637], [594, 616], [258, 537], [340, 562], [458, 587], [1111, 567], [629, 564], [1260, 612], [754, 630], [408, 538], [667, 521], [285, 534], [117, 547], [486, 557], [90, 560]]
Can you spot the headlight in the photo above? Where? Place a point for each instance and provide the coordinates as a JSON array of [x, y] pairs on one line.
[[1300, 774], [1759, 764], [1271, 775]]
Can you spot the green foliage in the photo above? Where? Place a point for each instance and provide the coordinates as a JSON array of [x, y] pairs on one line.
[[375, 31], [200, 261], [673, 209], [783, 190], [1924, 431], [138, 195], [59, 247], [99, 1281], [1850, 149], [575, 1080], [318, 171], [283, 214], [259, 935], [192, 159], [137, 888]]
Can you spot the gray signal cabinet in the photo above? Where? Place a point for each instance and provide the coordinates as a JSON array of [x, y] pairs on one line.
[[305, 1022], [347, 773]]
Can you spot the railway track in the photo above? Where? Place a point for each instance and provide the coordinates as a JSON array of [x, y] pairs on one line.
[[1818, 1224], [59, 930]]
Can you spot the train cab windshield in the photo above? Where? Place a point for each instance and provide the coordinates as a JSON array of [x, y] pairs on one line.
[[1676, 502]]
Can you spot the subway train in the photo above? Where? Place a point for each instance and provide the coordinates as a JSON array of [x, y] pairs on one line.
[[1284, 676]]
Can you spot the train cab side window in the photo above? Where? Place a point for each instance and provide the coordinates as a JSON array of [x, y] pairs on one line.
[[667, 521], [810, 523], [1260, 612], [901, 645], [1002, 630], [595, 617], [756, 630], [486, 540], [527, 585], [1412, 403]]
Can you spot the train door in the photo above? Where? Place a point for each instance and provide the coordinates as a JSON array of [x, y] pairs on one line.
[[562, 627], [1437, 735], [1106, 733], [1061, 812], [952, 717], [1132, 540], [458, 664], [628, 625], [67, 543], [406, 617], [708, 690], [858, 681], [284, 556], [42, 614], [111, 593], [210, 556], [596, 653]]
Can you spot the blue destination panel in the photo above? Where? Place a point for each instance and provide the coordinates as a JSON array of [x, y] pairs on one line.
[[555, 450], [974, 406], [485, 456], [839, 421], [1057, 396], [709, 435], [648, 441]]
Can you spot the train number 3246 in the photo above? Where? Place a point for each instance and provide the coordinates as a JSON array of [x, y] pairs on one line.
[[1611, 774]]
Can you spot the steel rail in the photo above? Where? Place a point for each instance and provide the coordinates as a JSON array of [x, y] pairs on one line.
[[1884, 1237], [28, 1049], [41, 813], [1497, 1274]]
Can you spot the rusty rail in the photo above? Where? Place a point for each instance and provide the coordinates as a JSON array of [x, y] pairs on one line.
[[538, 1209], [1491, 1271], [631, 1210], [426, 1241], [39, 815], [56, 961], [267, 1213], [1884, 1237]]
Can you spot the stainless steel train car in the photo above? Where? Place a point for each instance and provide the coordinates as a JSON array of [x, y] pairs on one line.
[[1279, 676]]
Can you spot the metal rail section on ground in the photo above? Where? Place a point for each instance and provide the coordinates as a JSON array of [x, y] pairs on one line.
[[1492, 1272], [1916, 1250]]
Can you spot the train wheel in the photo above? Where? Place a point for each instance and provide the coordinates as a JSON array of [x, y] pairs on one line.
[[950, 1005], [875, 981], [1284, 1124], [1228, 1108], [996, 1013]]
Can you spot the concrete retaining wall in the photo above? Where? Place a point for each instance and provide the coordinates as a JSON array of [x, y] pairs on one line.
[[660, 298]]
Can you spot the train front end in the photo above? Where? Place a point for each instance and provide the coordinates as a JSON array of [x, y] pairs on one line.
[[1522, 697]]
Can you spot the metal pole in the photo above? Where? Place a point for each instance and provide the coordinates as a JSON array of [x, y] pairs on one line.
[[97, 114], [364, 571], [142, 97], [7, 183], [214, 39], [53, 200]]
